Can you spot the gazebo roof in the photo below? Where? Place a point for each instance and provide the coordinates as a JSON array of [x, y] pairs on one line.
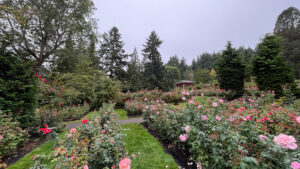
[[184, 82]]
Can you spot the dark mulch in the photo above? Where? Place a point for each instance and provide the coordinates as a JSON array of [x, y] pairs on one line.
[[180, 157], [21, 152]]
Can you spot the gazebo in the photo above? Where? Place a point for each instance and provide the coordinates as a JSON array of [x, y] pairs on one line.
[[184, 83]]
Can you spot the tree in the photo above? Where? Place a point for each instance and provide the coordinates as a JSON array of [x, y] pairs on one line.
[[173, 76], [112, 54], [202, 75], [246, 55], [230, 72], [183, 67], [270, 70], [213, 74], [288, 27], [134, 74], [37, 29], [18, 94], [173, 61], [154, 72]]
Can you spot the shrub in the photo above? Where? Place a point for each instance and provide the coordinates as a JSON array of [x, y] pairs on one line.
[[134, 107], [172, 97], [97, 144], [95, 88], [17, 89], [12, 136]]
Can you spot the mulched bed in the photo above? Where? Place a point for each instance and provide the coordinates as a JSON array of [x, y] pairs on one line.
[[180, 157], [21, 152]]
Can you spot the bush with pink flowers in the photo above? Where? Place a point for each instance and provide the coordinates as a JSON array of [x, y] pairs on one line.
[[251, 132]]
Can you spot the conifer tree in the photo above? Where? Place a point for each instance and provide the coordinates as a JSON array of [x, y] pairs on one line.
[[270, 70], [154, 70], [231, 72], [113, 55]]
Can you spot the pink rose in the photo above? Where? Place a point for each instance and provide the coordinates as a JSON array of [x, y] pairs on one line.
[[1, 137], [295, 165], [230, 119], [204, 117], [183, 137], [285, 141], [85, 167], [200, 106], [221, 100], [262, 137], [183, 98], [73, 130], [298, 119], [183, 93], [69, 135], [157, 112], [218, 118], [125, 163], [215, 104], [187, 128], [112, 141]]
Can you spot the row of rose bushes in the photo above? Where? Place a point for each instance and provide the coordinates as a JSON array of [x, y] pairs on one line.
[[252, 132], [95, 144]]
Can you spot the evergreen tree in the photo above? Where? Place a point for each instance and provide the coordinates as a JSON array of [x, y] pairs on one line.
[[288, 27], [17, 89], [113, 55], [134, 74], [173, 61], [230, 72], [270, 70], [154, 72], [183, 68], [173, 76]]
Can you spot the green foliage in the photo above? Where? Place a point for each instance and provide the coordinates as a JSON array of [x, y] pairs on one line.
[[12, 136], [134, 107], [18, 89], [230, 71], [172, 76], [288, 27], [134, 73], [95, 89], [57, 22], [270, 70], [202, 75], [154, 72], [113, 54]]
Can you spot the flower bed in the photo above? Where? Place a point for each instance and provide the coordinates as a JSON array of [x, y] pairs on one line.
[[95, 144], [251, 132]]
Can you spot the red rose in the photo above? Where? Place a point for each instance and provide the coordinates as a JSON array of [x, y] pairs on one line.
[[44, 80], [84, 121], [60, 104], [46, 125]]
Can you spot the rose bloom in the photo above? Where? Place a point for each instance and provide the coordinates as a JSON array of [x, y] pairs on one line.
[[84, 121], [1, 137], [187, 128], [69, 136], [204, 117], [218, 118], [262, 137], [200, 106], [85, 167], [183, 137], [125, 163], [285, 141], [298, 119], [73, 130], [221, 100], [183, 98], [112, 141], [215, 104], [230, 119], [295, 165]]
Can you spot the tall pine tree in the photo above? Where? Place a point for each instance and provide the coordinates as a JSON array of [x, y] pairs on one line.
[[230, 71], [154, 70], [134, 74], [113, 55]]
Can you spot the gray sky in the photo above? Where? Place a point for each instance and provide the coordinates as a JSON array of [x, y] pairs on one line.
[[190, 27]]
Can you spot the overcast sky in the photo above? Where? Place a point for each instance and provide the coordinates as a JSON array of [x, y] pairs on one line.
[[190, 27]]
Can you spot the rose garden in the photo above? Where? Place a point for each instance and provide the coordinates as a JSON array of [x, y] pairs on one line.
[[72, 100]]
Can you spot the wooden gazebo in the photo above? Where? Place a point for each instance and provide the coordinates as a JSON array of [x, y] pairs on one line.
[[184, 83]]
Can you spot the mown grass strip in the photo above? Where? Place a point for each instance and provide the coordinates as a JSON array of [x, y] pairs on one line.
[[122, 114], [149, 153]]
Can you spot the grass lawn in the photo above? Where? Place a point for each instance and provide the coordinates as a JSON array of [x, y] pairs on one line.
[[26, 162], [149, 152], [122, 114]]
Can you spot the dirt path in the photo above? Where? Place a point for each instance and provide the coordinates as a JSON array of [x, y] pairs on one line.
[[74, 125]]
